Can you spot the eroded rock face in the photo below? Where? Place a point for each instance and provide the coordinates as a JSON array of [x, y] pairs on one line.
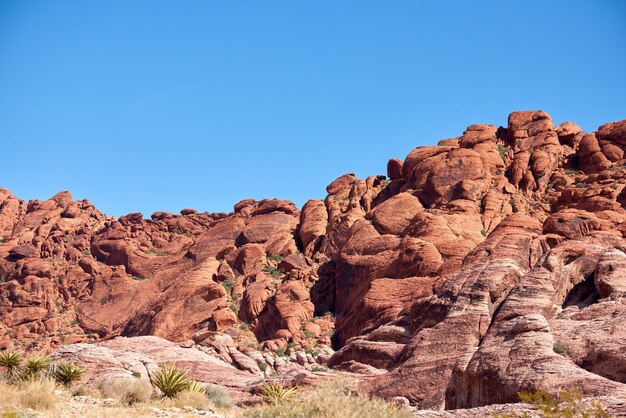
[[488, 264]]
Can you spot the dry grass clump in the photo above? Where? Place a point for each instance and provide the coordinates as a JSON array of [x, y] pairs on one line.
[[187, 398], [126, 391], [329, 399], [35, 394]]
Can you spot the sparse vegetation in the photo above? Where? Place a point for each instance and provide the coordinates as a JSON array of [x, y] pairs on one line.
[[171, 381], [571, 171], [37, 394], [613, 186], [483, 232], [276, 392], [228, 286], [502, 150], [127, 391], [67, 373], [262, 366], [568, 404], [329, 399], [308, 334], [275, 258], [10, 361], [218, 396], [35, 366], [581, 185], [273, 271], [560, 349], [138, 278]]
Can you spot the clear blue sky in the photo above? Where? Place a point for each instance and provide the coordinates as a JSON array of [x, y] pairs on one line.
[[153, 105]]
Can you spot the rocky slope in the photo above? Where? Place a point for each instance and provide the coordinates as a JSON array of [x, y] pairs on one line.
[[488, 264]]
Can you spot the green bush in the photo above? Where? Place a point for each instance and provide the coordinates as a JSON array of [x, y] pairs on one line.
[[273, 271], [560, 349], [228, 286]]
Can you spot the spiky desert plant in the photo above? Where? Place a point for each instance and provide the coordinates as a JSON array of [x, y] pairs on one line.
[[276, 392], [195, 387], [11, 361], [67, 373], [171, 381], [35, 366]]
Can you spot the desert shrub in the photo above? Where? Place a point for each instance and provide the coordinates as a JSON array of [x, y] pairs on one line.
[[329, 399], [262, 366], [567, 404], [217, 396], [11, 361], [11, 413], [37, 394], [581, 185], [273, 271], [171, 381], [126, 391], [86, 391], [276, 392], [35, 366], [228, 286], [188, 398], [483, 232], [560, 349], [67, 373]]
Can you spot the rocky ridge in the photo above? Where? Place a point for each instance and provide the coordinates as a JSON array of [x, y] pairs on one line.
[[491, 263]]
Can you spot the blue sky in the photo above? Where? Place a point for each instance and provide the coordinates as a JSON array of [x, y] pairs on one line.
[[154, 105]]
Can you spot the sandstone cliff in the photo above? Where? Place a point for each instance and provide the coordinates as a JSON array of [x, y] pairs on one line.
[[488, 264]]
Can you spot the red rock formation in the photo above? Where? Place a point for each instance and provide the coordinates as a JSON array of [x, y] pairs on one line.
[[451, 282]]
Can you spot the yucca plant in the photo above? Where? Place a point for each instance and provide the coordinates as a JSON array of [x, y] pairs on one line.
[[67, 373], [195, 387], [35, 366], [276, 392], [171, 381], [11, 361]]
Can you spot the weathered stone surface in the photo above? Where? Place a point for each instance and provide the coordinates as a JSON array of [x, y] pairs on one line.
[[489, 264]]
